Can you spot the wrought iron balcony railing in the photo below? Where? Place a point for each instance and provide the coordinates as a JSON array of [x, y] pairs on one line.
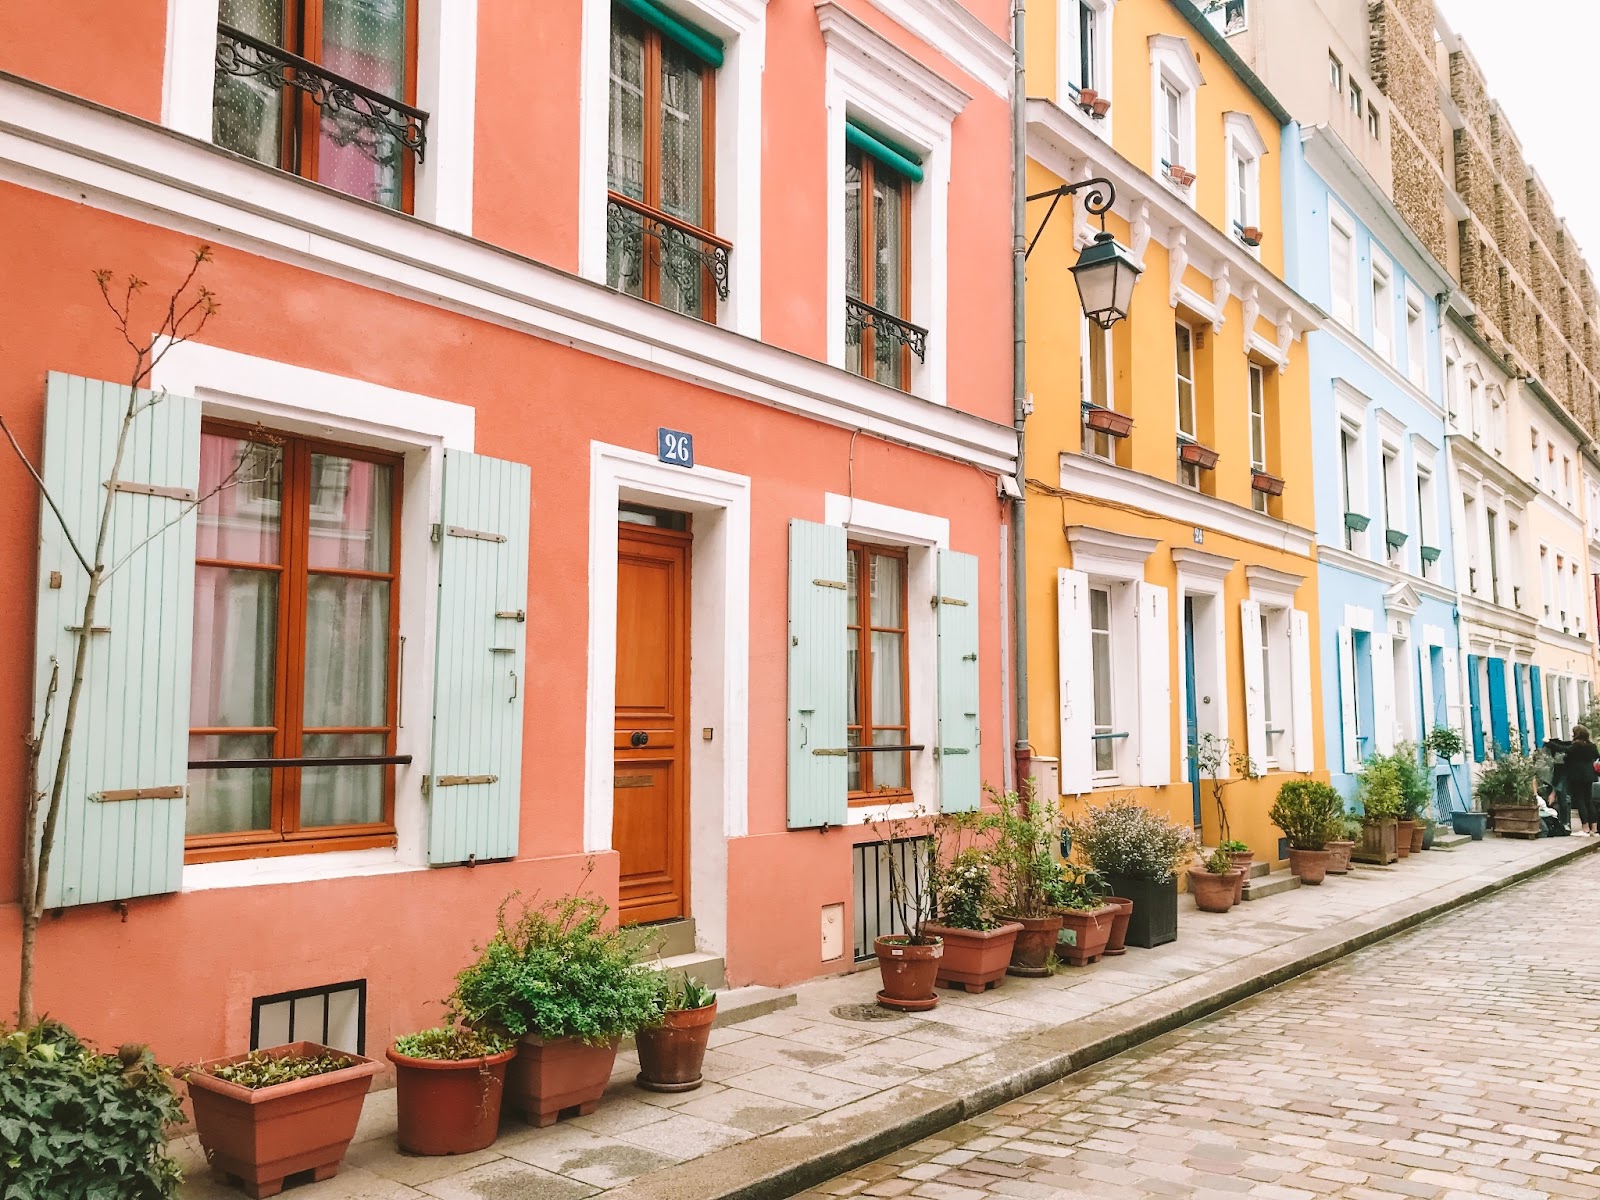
[[896, 331], [360, 115], [683, 254]]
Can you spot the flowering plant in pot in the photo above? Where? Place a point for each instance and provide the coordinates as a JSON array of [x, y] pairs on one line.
[[270, 1114], [1088, 916], [977, 941], [448, 1085], [1137, 852], [672, 1051], [568, 988], [1211, 882], [908, 963], [1309, 812], [1029, 874]]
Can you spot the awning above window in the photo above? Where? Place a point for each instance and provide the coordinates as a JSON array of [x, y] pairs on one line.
[[896, 158], [704, 46]]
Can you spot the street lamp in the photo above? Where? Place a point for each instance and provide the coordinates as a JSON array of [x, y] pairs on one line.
[[1105, 272]]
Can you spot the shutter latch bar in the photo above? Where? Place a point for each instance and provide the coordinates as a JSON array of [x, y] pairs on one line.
[[187, 495], [149, 793], [475, 534], [463, 780]]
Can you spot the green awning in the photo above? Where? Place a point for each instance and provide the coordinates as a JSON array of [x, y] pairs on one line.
[[697, 42], [896, 158]]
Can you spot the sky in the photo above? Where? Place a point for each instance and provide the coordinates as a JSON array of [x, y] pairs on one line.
[[1537, 56]]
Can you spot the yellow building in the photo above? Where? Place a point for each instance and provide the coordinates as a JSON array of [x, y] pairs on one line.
[[1170, 578]]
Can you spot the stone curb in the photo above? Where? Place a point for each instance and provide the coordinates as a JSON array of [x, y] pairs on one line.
[[790, 1160]]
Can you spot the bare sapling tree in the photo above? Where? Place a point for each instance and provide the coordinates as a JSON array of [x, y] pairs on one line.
[[1209, 756], [185, 313]]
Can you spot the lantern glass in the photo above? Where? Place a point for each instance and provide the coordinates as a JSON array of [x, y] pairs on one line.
[[1105, 275]]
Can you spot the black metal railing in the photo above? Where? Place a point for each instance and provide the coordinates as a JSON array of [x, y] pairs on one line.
[[684, 255], [358, 115], [876, 914], [896, 331]]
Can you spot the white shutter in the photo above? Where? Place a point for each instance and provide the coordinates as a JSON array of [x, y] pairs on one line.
[[1219, 686], [1255, 706], [1155, 688], [1452, 698], [1305, 752], [1347, 701], [1075, 653], [1071, 55], [1425, 688], [1383, 700]]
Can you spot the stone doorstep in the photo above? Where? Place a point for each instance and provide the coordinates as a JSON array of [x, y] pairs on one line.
[[799, 1156], [1261, 886], [1449, 841]]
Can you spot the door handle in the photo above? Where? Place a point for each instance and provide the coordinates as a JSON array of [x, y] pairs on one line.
[[513, 695], [639, 738]]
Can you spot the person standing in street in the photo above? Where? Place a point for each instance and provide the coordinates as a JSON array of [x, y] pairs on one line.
[[1578, 772]]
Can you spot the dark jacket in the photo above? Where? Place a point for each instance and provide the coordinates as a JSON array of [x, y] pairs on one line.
[[1578, 770]]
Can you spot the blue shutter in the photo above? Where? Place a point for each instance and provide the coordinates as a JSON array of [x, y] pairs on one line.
[[1475, 706], [480, 673], [1499, 713], [819, 619], [1519, 681], [120, 831], [1536, 686], [960, 774]]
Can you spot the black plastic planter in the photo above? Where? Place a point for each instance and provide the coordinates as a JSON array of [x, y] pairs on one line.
[[1470, 823], [1155, 910]]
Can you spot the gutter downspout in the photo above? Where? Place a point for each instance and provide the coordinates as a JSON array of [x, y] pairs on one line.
[[1023, 749]]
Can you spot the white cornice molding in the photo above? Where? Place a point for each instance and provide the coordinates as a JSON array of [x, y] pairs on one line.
[[62, 146], [1176, 53], [849, 36], [1272, 584], [1510, 622], [1473, 458], [1087, 476], [1338, 556], [1201, 564], [1243, 128], [1104, 552], [958, 35]]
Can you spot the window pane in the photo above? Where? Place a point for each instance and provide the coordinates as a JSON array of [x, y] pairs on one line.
[[341, 795], [229, 800], [888, 267], [1185, 373], [242, 483], [247, 114], [1086, 46], [352, 504], [888, 770], [1100, 653], [363, 40], [235, 648], [888, 591], [853, 738], [888, 676], [625, 171], [852, 252], [1099, 365], [347, 652], [681, 128]]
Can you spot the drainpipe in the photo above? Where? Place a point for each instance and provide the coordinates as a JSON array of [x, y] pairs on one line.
[[1023, 749]]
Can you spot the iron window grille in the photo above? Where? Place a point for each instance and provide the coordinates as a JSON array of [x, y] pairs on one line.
[[859, 316], [876, 915], [641, 236], [310, 1015]]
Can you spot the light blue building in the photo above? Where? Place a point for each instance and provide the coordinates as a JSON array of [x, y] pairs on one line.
[[1389, 629]]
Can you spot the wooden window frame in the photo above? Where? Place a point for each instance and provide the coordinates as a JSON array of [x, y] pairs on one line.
[[862, 629], [285, 834], [866, 244], [650, 206]]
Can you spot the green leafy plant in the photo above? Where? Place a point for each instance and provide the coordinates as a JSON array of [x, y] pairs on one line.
[[1218, 862], [1310, 813], [1507, 780], [1235, 846], [1381, 790], [1024, 851], [965, 896], [1123, 838], [77, 1124], [452, 1043], [1078, 888], [1416, 784], [1207, 757], [1445, 742], [262, 1069], [556, 969], [683, 993]]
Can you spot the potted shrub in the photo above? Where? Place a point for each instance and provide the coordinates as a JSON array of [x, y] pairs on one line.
[[1211, 882], [1416, 794], [1078, 894], [1137, 853], [908, 963], [448, 1083], [1117, 942], [977, 943], [270, 1114], [1380, 796], [672, 1051], [1309, 813], [78, 1123], [1505, 791], [568, 989], [1028, 876]]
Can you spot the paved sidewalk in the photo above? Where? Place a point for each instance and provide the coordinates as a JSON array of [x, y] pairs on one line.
[[796, 1096]]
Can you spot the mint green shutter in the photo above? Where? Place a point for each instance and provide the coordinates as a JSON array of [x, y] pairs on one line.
[[819, 622], [960, 777], [475, 784], [120, 832]]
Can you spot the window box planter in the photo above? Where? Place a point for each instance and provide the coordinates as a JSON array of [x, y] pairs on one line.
[[1267, 485], [1430, 554], [550, 1075], [1108, 421], [1395, 538], [1197, 455], [974, 959], [1154, 921], [1250, 236], [257, 1137], [1356, 523]]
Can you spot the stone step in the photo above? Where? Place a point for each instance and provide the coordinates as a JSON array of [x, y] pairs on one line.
[[1449, 841], [1262, 886], [1258, 870], [668, 938], [709, 969], [747, 1003]]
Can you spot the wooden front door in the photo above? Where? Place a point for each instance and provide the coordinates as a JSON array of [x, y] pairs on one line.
[[650, 827]]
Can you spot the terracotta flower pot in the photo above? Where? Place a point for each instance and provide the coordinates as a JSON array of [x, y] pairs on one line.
[[1309, 866], [257, 1137], [1030, 956], [1212, 893], [1087, 97], [1418, 832], [908, 973], [1267, 485], [1197, 455], [1108, 421], [1084, 933], [974, 959], [1101, 107], [1402, 837], [672, 1053], [1117, 942], [551, 1075], [448, 1106], [1238, 876], [1339, 857]]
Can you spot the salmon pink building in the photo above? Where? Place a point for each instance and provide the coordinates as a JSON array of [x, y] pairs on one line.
[[590, 478]]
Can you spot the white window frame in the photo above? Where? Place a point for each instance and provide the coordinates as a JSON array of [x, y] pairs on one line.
[[1256, 382], [741, 24], [1069, 59], [869, 77], [1536, 446], [1374, 122], [1416, 336], [1547, 589], [1275, 592], [1353, 472], [1427, 518], [1391, 466], [1246, 149], [1342, 292], [1188, 474], [1203, 576], [1335, 74], [1172, 63], [1383, 308]]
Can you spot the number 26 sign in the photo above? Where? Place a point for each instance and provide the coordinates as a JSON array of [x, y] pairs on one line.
[[675, 447]]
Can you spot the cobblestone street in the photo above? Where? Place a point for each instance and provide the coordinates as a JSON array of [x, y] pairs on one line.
[[1459, 1060]]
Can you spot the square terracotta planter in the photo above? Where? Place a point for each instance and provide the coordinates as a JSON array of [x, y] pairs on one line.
[[1267, 485], [549, 1076], [1197, 455], [974, 959], [258, 1137], [1085, 934]]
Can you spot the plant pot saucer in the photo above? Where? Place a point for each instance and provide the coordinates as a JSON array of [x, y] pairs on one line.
[[907, 1005], [650, 1085]]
